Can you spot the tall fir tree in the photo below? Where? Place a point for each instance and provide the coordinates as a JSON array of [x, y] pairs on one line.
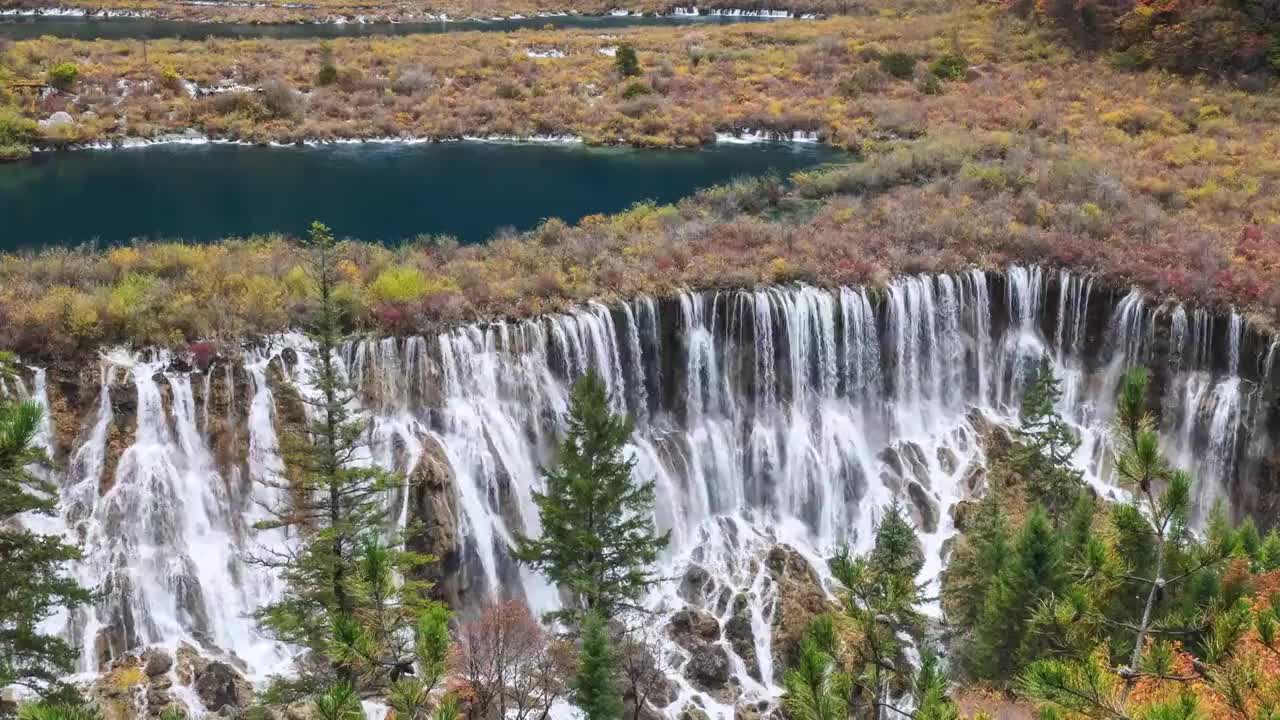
[[1034, 572], [348, 599], [1046, 444], [35, 582], [596, 688], [598, 539]]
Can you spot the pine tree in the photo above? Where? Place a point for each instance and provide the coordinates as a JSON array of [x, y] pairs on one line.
[[35, 584], [1269, 552], [816, 689], [598, 540], [1003, 643], [861, 669], [1149, 591], [1046, 446], [595, 689], [346, 600]]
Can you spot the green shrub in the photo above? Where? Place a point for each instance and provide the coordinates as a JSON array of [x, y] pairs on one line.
[[63, 76], [328, 73], [949, 67], [899, 64], [626, 61], [636, 89], [57, 711], [1129, 60]]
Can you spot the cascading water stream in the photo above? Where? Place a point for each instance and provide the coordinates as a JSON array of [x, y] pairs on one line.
[[788, 415]]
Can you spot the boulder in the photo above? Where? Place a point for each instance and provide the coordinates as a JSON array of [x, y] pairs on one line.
[[696, 584], [692, 712], [691, 628], [923, 508], [961, 512], [708, 667], [56, 120], [947, 460], [741, 637], [159, 662], [758, 710], [221, 686]]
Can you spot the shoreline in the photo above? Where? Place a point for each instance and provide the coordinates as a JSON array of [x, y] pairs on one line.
[[743, 136], [691, 13]]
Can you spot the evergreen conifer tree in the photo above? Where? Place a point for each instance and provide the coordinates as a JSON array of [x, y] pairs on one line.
[[349, 600], [1003, 643], [1046, 445], [626, 61], [35, 584], [596, 689], [598, 540], [863, 669]]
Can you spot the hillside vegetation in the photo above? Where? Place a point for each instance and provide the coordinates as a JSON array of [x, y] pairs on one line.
[[983, 199]]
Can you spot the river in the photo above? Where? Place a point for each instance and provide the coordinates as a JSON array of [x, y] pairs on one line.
[[468, 189]]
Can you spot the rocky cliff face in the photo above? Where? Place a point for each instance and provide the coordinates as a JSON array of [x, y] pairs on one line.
[[776, 423]]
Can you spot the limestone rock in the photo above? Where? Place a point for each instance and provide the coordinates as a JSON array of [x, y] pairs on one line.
[[696, 584], [708, 667], [741, 637], [159, 662], [692, 628], [432, 504], [800, 598], [219, 686], [924, 508]]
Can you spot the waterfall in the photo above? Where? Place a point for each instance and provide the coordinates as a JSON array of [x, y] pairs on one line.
[[791, 415]]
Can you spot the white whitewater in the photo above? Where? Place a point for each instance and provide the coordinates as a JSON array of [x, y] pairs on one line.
[[785, 414]]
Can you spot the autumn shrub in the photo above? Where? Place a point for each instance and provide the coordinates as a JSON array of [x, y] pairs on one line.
[[898, 64], [635, 90], [63, 76], [239, 102], [865, 78], [281, 99], [929, 84], [17, 133], [412, 80]]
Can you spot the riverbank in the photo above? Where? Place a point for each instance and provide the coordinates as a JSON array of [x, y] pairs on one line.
[[385, 191], [692, 83]]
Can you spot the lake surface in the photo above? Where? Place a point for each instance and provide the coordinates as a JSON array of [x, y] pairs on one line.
[[373, 192], [83, 28]]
